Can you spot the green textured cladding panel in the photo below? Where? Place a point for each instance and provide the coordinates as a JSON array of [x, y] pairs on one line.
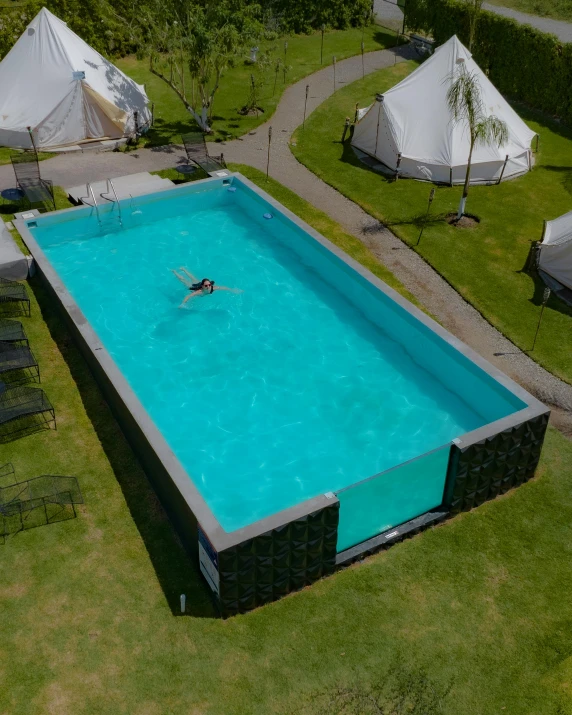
[[494, 465], [282, 560]]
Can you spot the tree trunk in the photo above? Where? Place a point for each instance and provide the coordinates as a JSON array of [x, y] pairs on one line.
[[463, 201], [200, 119]]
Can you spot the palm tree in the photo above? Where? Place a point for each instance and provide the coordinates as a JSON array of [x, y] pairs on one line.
[[466, 105]]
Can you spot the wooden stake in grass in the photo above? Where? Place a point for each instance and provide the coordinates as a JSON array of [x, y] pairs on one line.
[[431, 197], [268, 158], [545, 297], [305, 104], [334, 60], [276, 75]]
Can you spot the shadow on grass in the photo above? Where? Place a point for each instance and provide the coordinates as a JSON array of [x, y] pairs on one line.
[[165, 132], [176, 571]]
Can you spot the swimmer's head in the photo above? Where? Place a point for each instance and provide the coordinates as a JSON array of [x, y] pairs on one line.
[[207, 284]]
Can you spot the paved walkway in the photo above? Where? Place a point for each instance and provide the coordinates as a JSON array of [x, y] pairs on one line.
[[562, 30], [391, 16], [78, 168], [418, 277]]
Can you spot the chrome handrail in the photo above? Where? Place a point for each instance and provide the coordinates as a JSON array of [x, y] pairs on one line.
[[105, 194], [90, 191]]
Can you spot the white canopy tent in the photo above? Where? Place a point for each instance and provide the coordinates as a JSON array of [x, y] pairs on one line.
[[555, 250], [55, 83], [410, 128]]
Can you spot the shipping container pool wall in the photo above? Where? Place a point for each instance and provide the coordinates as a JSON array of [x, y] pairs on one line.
[[404, 423]]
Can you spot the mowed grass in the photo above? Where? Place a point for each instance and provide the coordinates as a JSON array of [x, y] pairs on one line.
[[555, 9], [485, 264], [89, 608], [302, 58], [7, 152]]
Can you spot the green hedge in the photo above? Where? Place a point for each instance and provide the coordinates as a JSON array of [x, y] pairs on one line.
[[522, 62], [307, 15], [93, 20]]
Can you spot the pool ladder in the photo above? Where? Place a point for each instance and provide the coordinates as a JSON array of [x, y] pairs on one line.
[[115, 219]]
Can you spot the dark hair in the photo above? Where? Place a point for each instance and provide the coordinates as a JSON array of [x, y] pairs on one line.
[[198, 286]]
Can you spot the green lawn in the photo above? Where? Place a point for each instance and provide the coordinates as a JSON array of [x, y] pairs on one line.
[[555, 9], [485, 263], [303, 58], [89, 607], [6, 153]]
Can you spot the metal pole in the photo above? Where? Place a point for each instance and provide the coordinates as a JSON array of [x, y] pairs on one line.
[[431, 197], [334, 59], [268, 159], [285, 50], [397, 166], [362, 61], [152, 113], [32, 138], [305, 103], [346, 129], [356, 115], [545, 297], [537, 138], [276, 76], [503, 168], [322, 46], [378, 98]]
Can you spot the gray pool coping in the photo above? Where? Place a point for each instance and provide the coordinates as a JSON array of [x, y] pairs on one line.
[[220, 538]]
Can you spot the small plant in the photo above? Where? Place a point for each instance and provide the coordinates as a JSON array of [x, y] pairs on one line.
[[465, 103]]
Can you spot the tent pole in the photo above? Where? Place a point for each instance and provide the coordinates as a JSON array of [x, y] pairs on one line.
[[32, 138], [397, 166], [537, 138], [503, 168], [379, 99], [451, 175]]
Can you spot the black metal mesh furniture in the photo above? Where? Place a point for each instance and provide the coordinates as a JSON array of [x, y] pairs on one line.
[[11, 331], [27, 171], [24, 410], [196, 149], [18, 364], [23, 497], [14, 297]]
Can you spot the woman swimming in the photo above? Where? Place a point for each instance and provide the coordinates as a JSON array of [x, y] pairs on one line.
[[197, 287]]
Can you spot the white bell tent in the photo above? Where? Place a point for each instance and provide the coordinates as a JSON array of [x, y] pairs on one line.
[[555, 250], [411, 130], [55, 83]]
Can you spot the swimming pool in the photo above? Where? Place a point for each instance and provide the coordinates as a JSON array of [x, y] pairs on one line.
[[311, 381]]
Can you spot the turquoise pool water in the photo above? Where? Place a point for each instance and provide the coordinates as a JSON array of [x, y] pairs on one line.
[[276, 394]]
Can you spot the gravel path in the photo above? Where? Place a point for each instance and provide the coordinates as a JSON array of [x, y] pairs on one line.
[[419, 278], [390, 15]]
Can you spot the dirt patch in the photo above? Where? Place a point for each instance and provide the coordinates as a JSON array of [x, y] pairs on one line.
[[466, 221], [251, 112]]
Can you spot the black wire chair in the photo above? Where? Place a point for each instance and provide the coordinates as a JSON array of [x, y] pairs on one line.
[[196, 150], [14, 297], [49, 489], [24, 410], [27, 170], [11, 331], [18, 364]]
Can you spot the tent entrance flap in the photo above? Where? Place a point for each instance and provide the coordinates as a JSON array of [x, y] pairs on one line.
[[103, 108]]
